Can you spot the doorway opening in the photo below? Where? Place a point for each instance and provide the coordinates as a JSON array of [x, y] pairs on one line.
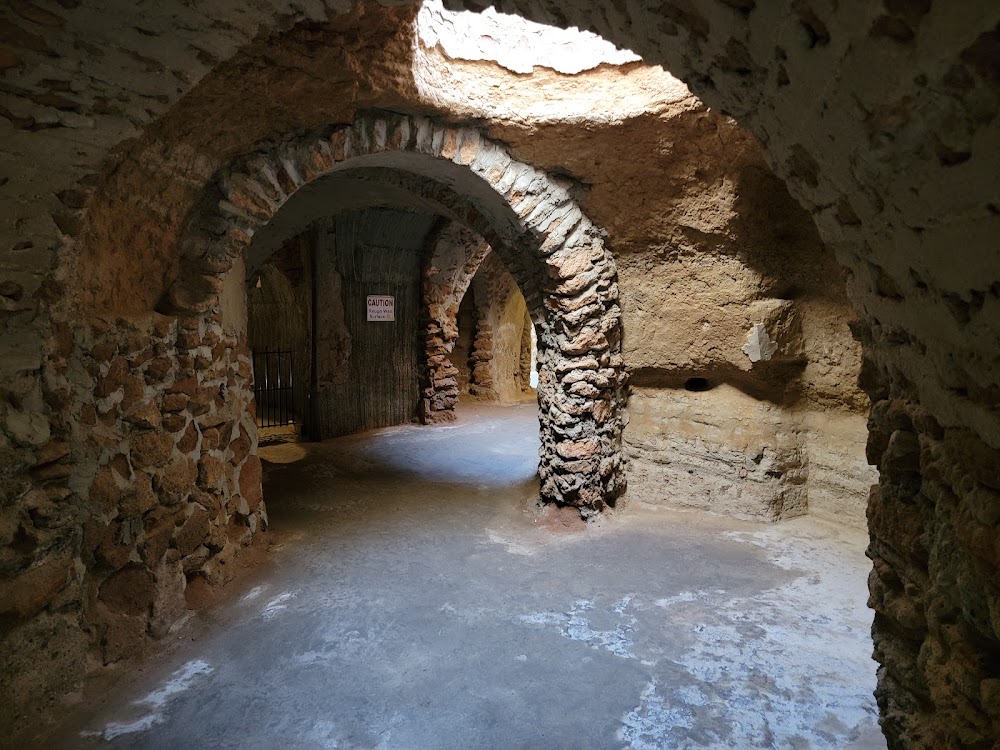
[[496, 351], [278, 339]]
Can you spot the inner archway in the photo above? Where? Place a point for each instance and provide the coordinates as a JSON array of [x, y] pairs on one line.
[[501, 339], [551, 249], [479, 339]]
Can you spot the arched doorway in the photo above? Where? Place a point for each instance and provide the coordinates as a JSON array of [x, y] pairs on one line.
[[472, 303], [549, 247], [501, 337]]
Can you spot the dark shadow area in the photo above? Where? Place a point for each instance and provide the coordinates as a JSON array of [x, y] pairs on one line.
[[697, 384], [778, 382]]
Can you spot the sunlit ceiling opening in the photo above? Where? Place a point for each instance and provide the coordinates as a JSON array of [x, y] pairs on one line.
[[491, 64]]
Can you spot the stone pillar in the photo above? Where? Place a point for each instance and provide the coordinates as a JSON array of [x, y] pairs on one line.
[[440, 387], [932, 519], [481, 382], [580, 394], [935, 580]]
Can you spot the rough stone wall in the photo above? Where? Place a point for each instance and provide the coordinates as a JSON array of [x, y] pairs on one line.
[[839, 473], [460, 266], [934, 549], [720, 450], [145, 489]]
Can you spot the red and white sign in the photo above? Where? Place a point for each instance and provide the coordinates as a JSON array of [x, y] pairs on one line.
[[381, 307]]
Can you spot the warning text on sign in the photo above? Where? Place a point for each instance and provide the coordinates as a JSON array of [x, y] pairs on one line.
[[382, 308]]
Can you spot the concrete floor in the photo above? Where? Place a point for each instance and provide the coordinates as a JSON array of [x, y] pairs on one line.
[[413, 600]]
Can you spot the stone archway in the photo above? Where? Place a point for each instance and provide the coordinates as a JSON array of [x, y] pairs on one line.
[[456, 259], [554, 252]]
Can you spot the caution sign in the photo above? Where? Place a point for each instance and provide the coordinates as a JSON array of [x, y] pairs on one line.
[[381, 307]]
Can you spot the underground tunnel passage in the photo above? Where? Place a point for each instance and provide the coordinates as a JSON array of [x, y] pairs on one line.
[[239, 509]]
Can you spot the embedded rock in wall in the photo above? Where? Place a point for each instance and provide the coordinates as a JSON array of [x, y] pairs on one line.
[[759, 346], [172, 436]]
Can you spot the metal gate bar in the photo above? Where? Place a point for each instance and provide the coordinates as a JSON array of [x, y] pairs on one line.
[[273, 388]]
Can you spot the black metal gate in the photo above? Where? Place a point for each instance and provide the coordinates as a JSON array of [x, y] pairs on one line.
[[274, 389]]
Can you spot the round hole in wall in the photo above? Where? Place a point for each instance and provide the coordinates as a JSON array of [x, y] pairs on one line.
[[697, 384]]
